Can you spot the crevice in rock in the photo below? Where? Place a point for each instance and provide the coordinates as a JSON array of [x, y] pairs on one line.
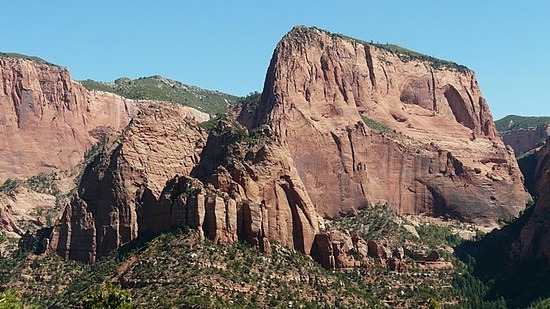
[[458, 107], [370, 66]]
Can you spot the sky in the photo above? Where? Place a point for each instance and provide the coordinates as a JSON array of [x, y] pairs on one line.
[[227, 45]]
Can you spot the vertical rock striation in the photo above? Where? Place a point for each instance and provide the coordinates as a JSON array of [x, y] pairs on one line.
[[524, 140]]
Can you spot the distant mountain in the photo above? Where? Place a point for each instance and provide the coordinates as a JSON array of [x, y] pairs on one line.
[[515, 122], [163, 89], [523, 133]]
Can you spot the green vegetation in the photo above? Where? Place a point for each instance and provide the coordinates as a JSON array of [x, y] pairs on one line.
[[209, 125], [182, 270], [458, 288], [9, 186], [515, 122], [377, 126], [405, 54], [233, 134], [31, 58], [164, 89], [541, 304], [109, 296], [250, 103], [10, 299], [489, 262], [44, 183]]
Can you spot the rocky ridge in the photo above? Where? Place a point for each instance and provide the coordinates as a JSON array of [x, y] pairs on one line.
[[48, 123], [163, 89], [366, 126], [124, 180]]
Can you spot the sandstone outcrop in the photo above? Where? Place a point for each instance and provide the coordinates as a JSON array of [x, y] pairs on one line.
[[24, 207], [48, 121], [369, 126], [524, 140], [162, 173], [337, 249]]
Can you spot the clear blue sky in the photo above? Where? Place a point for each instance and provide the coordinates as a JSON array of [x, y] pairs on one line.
[[227, 45]]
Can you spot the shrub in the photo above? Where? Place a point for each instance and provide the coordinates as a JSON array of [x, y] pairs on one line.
[[10, 300], [9, 186], [109, 297]]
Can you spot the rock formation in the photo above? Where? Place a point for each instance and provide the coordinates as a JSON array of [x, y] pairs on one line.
[[524, 140], [341, 125], [367, 126], [48, 121], [534, 241], [125, 180], [140, 184], [22, 208]]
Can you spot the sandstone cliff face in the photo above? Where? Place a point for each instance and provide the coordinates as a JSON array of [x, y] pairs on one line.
[[47, 121], [437, 151], [534, 241], [524, 140], [141, 184]]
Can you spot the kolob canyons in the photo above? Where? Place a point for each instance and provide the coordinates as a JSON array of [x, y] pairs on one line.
[[341, 125]]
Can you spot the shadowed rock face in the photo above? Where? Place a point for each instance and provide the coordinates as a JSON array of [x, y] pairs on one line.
[[48, 121], [248, 191], [534, 241], [144, 182], [437, 152]]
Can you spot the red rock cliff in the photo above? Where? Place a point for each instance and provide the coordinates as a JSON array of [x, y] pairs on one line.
[[47, 120], [434, 148]]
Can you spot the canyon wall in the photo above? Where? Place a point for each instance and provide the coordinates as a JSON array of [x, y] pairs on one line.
[[533, 243], [524, 140]]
